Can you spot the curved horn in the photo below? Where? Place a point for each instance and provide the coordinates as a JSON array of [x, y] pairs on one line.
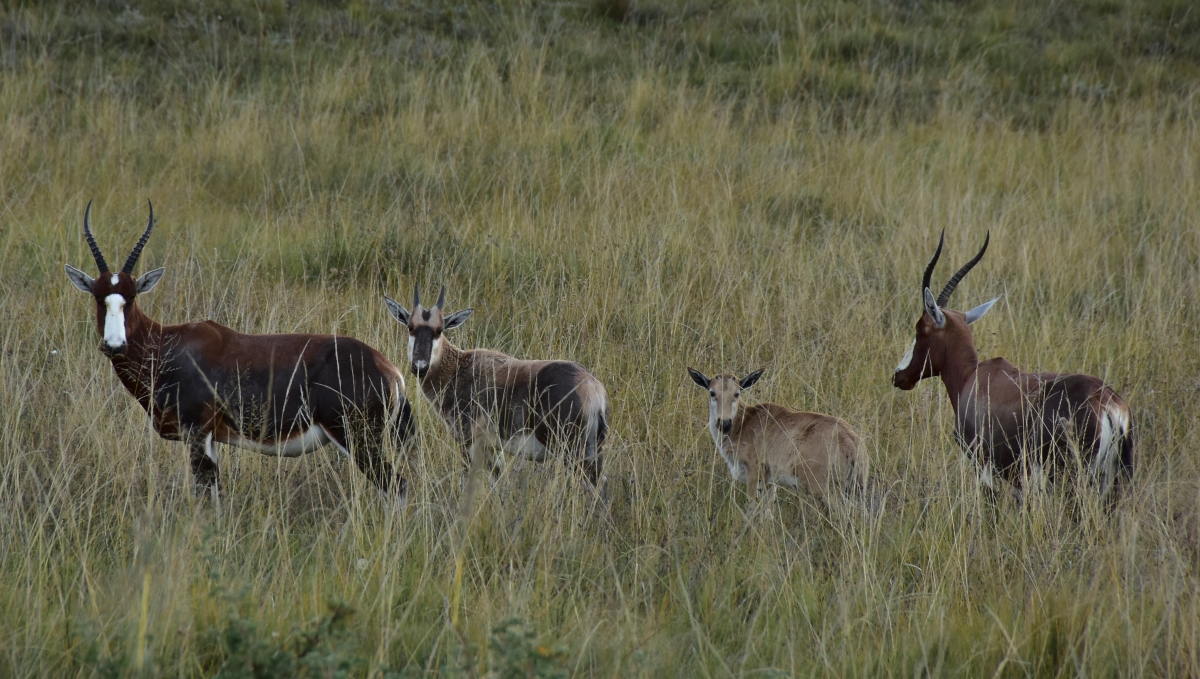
[[137, 249], [958, 275], [442, 297], [416, 297], [87, 233], [933, 262]]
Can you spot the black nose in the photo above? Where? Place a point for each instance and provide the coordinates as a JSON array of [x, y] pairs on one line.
[[112, 351], [725, 426], [421, 371]]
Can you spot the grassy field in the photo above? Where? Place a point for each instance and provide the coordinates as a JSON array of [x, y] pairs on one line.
[[639, 187]]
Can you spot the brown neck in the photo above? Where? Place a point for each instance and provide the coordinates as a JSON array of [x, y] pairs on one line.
[[439, 377], [143, 345], [958, 368]]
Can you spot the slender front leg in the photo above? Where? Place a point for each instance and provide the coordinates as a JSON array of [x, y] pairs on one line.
[[205, 473]]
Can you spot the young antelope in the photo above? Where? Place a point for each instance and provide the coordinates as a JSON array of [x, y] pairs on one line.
[[767, 444]]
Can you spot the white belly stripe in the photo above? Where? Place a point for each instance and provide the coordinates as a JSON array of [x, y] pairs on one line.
[[312, 438]]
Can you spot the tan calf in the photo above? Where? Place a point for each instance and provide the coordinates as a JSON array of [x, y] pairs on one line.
[[768, 444]]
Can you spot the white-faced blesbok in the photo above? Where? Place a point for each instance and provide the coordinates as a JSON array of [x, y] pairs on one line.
[[202, 383], [766, 445], [533, 408], [1013, 423]]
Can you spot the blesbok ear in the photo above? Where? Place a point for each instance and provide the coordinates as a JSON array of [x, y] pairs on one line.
[[978, 312], [456, 319], [934, 311], [149, 279], [750, 380], [698, 377], [80, 280], [398, 312]]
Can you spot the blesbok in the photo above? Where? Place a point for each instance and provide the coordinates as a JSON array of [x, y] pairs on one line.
[[533, 408], [766, 444], [1011, 422], [203, 383]]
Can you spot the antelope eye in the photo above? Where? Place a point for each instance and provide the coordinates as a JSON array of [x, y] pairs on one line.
[[736, 394], [712, 393], [437, 333]]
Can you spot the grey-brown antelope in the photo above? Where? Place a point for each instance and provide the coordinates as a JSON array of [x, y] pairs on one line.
[[1017, 424], [202, 383], [532, 407], [767, 444]]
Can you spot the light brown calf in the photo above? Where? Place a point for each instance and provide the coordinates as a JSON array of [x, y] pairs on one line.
[[768, 444]]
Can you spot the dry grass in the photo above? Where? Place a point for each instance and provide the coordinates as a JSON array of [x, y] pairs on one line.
[[635, 222]]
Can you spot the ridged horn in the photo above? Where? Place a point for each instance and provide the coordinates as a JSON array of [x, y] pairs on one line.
[[958, 275], [137, 249], [91, 241], [416, 297], [932, 262], [441, 297]]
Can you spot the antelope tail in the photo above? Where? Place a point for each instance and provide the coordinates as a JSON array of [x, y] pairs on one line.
[[1113, 462], [597, 425]]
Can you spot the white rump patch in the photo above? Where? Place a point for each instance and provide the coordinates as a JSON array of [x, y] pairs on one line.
[[114, 321], [907, 358]]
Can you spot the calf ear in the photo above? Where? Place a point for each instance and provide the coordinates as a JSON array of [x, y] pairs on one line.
[[456, 319], [80, 280], [149, 279], [398, 312], [698, 377], [749, 380], [934, 311], [978, 312]]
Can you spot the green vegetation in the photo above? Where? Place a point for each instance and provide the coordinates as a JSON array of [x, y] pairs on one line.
[[637, 186]]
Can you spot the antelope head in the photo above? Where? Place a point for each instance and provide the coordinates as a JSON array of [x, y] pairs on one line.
[[723, 393], [425, 328], [940, 331], [114, 292]]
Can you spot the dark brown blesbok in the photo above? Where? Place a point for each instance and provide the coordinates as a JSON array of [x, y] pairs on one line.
[[1017, 424], [533, 408], [203, 383]]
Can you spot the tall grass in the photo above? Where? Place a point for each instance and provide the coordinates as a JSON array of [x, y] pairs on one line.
[[636, 215]]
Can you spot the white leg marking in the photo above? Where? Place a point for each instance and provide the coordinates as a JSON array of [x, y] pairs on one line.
[[986, 478], [114, 321], [907, 358], [210, 450]]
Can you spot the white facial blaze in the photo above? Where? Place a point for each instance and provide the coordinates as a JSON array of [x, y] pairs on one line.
[[114, 280], [907, 356], [412, 342], [436, 352], [114, 321]]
